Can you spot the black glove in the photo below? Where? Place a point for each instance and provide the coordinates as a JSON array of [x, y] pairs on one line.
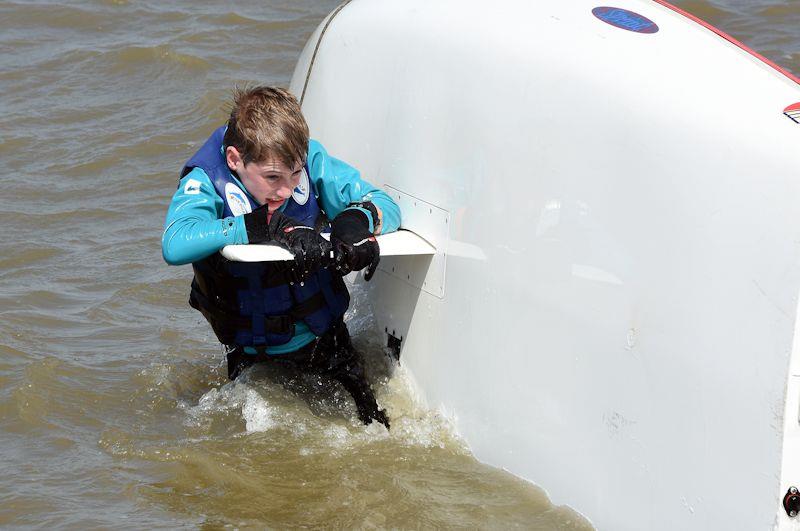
[[311, 251], [354, 246]]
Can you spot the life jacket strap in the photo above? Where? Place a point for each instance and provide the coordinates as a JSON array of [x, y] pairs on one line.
[[273, 324]]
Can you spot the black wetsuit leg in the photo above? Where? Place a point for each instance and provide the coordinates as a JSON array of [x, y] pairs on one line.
[[237, 361], [335, 357]]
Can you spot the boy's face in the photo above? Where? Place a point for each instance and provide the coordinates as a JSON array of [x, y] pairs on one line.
[[270, 182]]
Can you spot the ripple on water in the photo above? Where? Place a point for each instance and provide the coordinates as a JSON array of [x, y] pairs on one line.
[[26, 15], [703, 9], [781, 11], [24, 256], [15, 143], [54, 396], [142, 310], [164, 57]]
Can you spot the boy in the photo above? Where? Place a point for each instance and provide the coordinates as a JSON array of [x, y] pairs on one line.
[[261, 179]]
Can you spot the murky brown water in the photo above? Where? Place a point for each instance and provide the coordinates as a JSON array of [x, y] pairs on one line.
[[114, 409]]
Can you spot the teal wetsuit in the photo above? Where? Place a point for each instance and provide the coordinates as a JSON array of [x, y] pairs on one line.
[[194, 227]]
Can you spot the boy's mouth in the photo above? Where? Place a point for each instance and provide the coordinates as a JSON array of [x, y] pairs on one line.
[[274, 204]]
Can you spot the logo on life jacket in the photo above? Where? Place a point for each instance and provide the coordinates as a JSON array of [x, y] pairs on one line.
[[300, 193], [237, 201], [793, 112], [624, 19]]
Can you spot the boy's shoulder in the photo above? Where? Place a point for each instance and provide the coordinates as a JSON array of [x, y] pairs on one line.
[[315, 146], [194, 179], [195, 183]]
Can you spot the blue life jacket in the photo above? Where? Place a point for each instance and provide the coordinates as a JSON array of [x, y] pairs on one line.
[[252, 303]]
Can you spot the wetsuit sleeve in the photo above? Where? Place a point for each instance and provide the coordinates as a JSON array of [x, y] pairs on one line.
[[194, 228], [339, 184]]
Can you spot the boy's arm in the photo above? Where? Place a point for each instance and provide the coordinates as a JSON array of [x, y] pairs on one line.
[[339, 184], [193, 229]]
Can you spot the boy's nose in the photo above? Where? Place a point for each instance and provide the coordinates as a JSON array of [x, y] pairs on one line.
[[284, 192]]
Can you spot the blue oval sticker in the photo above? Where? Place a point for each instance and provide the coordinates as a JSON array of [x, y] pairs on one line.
[[624, 19]]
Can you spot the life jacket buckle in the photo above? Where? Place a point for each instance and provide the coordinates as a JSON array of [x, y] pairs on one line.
[[279, 324]]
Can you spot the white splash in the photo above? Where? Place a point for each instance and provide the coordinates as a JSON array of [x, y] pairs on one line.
[[257, 413]]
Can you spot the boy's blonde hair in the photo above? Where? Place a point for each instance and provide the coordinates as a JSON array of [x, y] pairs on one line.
[[267, 122]]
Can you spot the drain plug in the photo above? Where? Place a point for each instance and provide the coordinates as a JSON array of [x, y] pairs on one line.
[[791, 502]]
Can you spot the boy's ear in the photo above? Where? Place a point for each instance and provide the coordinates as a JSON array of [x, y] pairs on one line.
[[232, 157]]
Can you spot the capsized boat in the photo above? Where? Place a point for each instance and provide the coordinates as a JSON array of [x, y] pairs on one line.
[[613, 191]]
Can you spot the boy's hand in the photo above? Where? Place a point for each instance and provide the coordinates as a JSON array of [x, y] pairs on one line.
[[354, 246], [311, 251]]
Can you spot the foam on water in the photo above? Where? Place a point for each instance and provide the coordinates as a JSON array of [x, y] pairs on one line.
[[240, 399], [259, 402]]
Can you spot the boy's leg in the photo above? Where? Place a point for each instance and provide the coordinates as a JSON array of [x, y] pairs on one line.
[[335, 357], [237, 361]]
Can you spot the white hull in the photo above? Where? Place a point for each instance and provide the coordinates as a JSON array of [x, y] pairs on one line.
[[615, 314]]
